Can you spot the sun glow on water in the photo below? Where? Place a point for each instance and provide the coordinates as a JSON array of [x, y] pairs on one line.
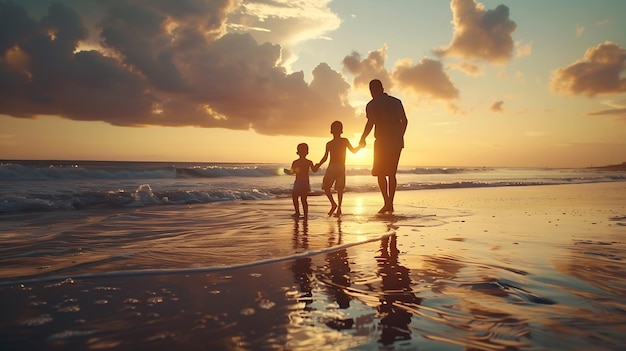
[[359, 208]]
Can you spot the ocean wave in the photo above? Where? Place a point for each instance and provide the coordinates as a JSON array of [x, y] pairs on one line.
[[443, 170], [138, 170], [13, 171], [143, 196], [221, 171]]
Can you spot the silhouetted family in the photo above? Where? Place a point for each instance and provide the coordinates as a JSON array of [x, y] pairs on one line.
[[385, 114]]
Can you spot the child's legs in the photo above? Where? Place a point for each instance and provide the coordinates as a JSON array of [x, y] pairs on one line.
[[333, 204], [329, 195], [340, 186], [296, 207], [327, 184], [305, 205]]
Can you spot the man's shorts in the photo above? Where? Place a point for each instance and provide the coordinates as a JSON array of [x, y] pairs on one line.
[[386, 158]]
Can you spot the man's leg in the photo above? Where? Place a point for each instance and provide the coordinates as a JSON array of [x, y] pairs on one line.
[[393, 183], [382, 184]]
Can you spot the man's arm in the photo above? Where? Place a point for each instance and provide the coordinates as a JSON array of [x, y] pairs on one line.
[[403, 120], [366, 131]]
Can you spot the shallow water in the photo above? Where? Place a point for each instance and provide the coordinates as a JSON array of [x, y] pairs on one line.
[[247, 277]]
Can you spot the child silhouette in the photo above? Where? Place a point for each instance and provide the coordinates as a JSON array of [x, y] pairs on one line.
[[301, 186], [336, 171]]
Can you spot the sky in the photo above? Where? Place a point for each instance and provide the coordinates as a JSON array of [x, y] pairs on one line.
[[484, 83]]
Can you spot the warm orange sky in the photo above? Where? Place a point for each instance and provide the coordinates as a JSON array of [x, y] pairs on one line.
[[491, 83]]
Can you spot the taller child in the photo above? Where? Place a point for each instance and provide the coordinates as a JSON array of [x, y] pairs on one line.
[[336, 171]]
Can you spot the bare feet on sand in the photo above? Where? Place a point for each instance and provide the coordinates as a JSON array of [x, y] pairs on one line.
[[333, 207], [386, 209]]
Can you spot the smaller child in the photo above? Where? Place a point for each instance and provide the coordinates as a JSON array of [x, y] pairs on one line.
[[301, 186], [336, 171]]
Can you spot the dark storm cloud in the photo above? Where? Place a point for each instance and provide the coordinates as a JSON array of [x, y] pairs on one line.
[[41, 74], [599, 72], [162, 62], [479, 33]]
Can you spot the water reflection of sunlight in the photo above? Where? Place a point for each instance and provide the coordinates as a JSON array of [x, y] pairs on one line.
[[358, 206], [359, 236]]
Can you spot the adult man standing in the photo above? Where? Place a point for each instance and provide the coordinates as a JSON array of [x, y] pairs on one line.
[[387, 115]]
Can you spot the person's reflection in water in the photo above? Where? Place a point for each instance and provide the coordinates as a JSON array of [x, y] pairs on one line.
[[301, 267], [300, 235], [395, 292], [337, 273], [339, 270]]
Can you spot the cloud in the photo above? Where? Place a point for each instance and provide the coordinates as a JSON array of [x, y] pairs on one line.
[[286, 22], [467, 68], [618, 109], [599, 72], [164, 62], [426, 78], [368, 68], [616, 112], [603, 22], [580, 30], [497, 106], [479, 33], [523, 49]]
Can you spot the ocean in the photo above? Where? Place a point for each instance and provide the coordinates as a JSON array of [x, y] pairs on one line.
[[36, 186], [205, 256]]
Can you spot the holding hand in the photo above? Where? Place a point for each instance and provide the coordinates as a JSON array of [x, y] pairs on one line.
[[362, 143]]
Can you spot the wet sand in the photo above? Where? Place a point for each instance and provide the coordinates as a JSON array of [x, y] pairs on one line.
[[511, 268]]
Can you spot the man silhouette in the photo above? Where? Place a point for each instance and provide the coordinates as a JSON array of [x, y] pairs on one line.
[[387, 115]]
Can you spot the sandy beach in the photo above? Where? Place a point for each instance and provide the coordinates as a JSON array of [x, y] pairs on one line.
[[504, 268]]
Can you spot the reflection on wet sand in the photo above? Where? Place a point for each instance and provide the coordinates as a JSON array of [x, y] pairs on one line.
[[395, 293], [440, 302]]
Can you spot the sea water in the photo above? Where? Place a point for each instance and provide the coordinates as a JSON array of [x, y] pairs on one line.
[[35, 186]]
